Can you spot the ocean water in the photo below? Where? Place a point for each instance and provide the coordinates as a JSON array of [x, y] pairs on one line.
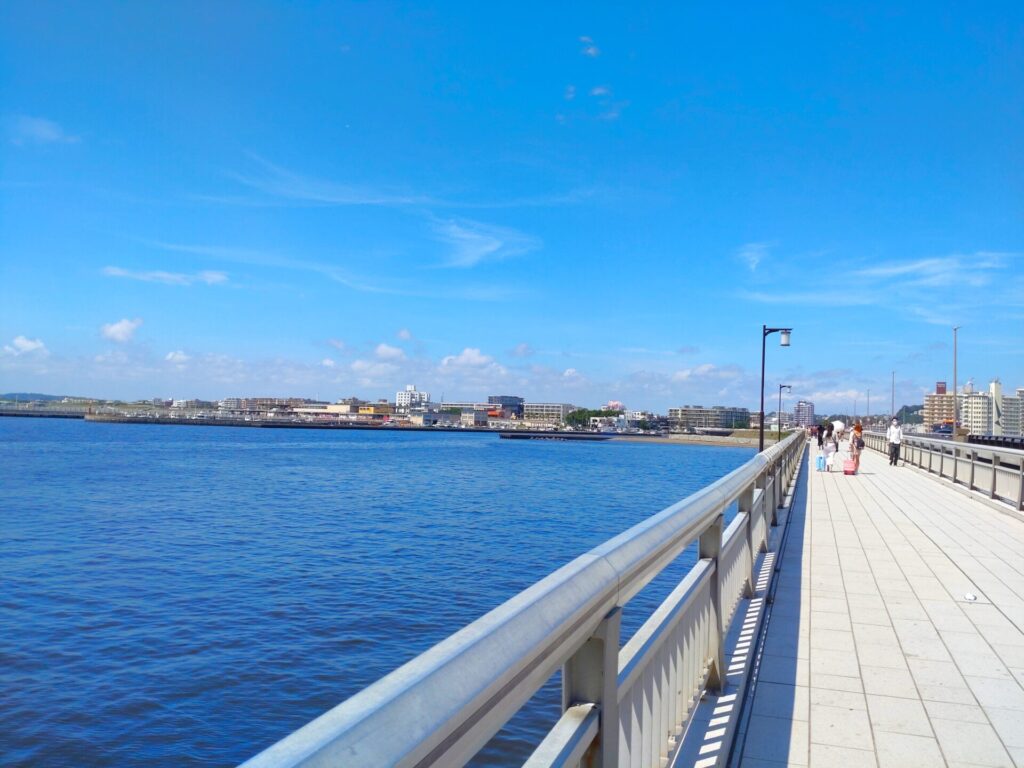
[[187, 596]]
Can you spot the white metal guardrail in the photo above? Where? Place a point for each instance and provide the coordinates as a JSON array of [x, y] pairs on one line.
[[997, 472], [621, 706]]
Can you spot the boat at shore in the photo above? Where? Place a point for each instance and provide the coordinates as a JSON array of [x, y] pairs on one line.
[[522, 434]]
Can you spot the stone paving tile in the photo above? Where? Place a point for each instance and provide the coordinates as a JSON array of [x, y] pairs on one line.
[[942, 710], [975, 743], [889, 682], [829, 756], [1009, 725], [830, 697], [888, 713], [1004, 693], [836, 682], [834, 662], [901, 750], [841, 621], [840, 727], [778, 700], [772, 738], [784, 669], [831, 640]]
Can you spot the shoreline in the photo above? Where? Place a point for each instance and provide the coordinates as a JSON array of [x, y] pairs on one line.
[[703, 440]]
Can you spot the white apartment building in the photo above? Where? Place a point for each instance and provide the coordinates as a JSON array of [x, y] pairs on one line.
[[803, 413], [1013, 414], [411, 398], [991, 412], [547, 413]]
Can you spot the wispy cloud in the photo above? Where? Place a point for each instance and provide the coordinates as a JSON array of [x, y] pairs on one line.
[[277, 181], [122, 331], [809, 298], [177, 357], [404, 334], [752, 254], [589, 49], [208, 277], [975, 270], [600, 90], [570, 92], [24, 129], [472, 242], [22, 345], [522, 350]]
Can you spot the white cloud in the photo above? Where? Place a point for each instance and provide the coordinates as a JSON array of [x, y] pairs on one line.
[[752, 254], [470, 357], [387, 352], [570, 373], [522, 350], [22, 345], [589, 49], [707, 371], [472, 242], [328, 363], [177, 357], [600, 90], [24, 129], [209, 277], [570, 92], [122, 331], [404, 334], [338, 344]]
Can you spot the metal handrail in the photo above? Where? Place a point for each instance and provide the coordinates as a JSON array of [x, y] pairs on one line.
[[995, 472], [444, 705]]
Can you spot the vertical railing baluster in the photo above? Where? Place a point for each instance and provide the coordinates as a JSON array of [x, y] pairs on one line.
[[591, 676], [710, 548], [746, 507]]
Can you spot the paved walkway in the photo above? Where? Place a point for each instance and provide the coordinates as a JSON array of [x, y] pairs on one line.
[[895, 637]]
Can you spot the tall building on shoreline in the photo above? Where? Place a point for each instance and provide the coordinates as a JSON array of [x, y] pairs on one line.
[[803, 413]]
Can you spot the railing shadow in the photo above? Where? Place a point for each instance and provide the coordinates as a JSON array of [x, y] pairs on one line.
[[778, 704]]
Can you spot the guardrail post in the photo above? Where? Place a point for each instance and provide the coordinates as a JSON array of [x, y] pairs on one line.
[[974, 458], [711, 547], [956, 462], [1020, 487], [995, 469], [590, 676], [746, 505]]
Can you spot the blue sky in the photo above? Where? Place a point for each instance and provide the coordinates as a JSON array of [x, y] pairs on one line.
[[562, 201]]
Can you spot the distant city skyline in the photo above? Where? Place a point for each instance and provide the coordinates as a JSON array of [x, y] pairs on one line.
[[319, 201]]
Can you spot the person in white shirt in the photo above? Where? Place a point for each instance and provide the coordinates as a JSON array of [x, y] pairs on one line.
[[894, 434]]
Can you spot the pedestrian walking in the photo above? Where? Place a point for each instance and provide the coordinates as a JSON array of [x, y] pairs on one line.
[[830, 447], [894, 434], [856, 446]]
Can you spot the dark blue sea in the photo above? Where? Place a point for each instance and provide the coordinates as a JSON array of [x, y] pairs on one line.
[[177, 596]]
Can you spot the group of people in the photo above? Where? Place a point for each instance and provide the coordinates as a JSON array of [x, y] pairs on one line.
[[833, 438]]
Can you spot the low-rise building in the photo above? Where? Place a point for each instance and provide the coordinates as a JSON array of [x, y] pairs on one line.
[[547, 413], [411, 398], [716, 417]]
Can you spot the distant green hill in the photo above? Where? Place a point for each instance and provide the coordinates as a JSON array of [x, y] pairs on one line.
[[24, 397], [911, 414]]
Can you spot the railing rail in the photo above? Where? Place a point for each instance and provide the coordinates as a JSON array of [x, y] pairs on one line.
[[621, 706], [996, 472]]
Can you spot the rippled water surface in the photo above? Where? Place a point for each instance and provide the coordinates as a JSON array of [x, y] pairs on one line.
[[187, 596]]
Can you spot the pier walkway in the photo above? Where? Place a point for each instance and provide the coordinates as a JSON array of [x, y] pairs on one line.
[[895, 635]]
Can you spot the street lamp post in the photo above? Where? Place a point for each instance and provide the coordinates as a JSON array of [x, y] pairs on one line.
[[779, 419], [783, 342], [956, 422]]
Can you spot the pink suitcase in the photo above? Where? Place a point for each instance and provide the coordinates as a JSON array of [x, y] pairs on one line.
[[849, 468]]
